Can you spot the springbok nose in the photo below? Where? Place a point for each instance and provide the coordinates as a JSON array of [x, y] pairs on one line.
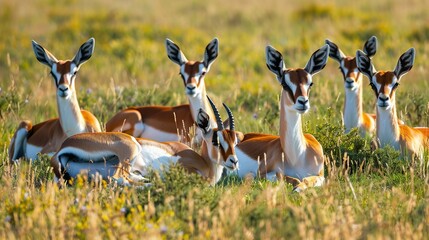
[[383, 99], [233, 160], [303, 102], [63, 88], [349, 80], [191, 87]]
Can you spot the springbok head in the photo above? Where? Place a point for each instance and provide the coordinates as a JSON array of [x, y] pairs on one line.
[[64, 72], [296, 82], [220, 141], [193, 72], [384, 83], [348, 67]]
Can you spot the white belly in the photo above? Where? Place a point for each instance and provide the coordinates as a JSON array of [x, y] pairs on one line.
[[300, 170], [157, 135], [247, 165], [31, 151], [157, 158]]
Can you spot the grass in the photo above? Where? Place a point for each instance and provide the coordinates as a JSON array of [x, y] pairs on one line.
[[367, 194]]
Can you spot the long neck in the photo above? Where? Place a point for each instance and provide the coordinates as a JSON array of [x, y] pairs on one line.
[[353, 107], [71, 118], [216, 169], [200, 101], [387, 125], [291, 136]]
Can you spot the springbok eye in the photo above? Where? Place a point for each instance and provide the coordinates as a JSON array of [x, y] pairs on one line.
[[203, 73], [311, 84], [395, 86], [74, 73]]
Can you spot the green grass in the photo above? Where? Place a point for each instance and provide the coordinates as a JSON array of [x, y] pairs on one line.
[[367, 194]]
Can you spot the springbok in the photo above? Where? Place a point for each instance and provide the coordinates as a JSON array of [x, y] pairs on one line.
[[171, 123], [408, 140], [293, 154], [353, 115], [46, 137], [127, 159]]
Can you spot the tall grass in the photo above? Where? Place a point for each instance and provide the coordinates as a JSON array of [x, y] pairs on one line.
[[369, 194]]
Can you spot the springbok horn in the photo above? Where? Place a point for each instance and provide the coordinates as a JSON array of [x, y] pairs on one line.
[[219, 122], [231, 117]]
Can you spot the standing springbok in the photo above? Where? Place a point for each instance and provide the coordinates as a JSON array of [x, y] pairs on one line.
[[408, 140], [353, 115], [171, 123], [127, 159], [293, 154], [46, 137]]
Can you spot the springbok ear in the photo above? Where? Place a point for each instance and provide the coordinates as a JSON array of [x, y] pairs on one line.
[[275, 62], [203, 121], [405, 63], [42, 55], [84, 53], [211, 53], [364, 64], [174, 53], [370, 47], [318, 60], [334, 51]]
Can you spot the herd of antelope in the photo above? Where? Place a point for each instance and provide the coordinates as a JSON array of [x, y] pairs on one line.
[[139, 139]]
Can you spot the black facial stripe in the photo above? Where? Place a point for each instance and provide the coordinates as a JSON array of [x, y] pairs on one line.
[[55, 78], [183, 77], [343, 72], [395, 86], [287, 89], [215, 139]]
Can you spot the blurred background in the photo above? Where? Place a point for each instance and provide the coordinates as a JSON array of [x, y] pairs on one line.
[[130, 65], [368, 194]]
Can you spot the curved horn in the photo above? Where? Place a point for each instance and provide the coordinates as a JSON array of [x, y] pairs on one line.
[[217, 115], [230, 116]]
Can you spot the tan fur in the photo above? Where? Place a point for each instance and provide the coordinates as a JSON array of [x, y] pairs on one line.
[[273, 151], [122, 144], [172, 120], [50, 134], [162, 118], [412, 141], [367, 125], [368, 122], [423, 130], [125, 148]]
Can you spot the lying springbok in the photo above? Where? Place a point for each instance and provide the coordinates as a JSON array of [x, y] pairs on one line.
[[293, 154], [127, 159], [353, 115], [46, 137], [161, 123], [410, 141]]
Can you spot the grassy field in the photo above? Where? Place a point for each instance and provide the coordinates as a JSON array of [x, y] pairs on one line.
[[367, 195]]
